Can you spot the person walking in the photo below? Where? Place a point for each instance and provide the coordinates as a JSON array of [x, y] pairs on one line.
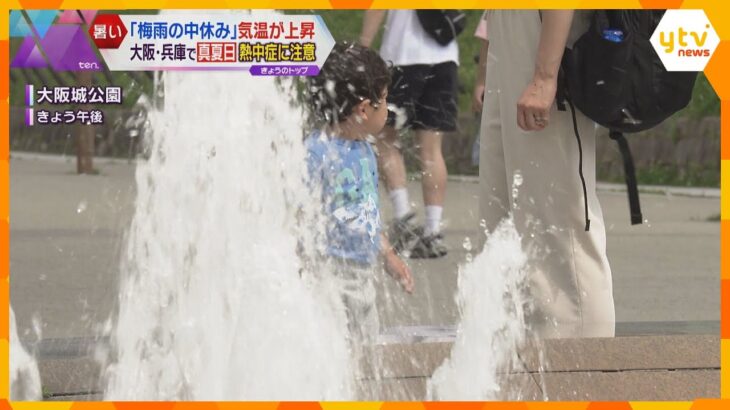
[[423, 90]]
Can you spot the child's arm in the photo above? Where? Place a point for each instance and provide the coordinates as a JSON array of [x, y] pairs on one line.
[[395, 266], [370, 25]]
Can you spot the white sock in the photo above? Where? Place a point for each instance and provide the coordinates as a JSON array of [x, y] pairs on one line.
[[399, 199], [433, 220]]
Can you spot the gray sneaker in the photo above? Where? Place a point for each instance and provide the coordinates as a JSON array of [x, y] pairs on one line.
[[404, 234], [429, 247]]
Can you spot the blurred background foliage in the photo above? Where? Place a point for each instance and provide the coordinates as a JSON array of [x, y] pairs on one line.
[[660, 168]]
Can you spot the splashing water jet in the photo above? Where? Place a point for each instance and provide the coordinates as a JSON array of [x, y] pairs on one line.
[[214, 301]]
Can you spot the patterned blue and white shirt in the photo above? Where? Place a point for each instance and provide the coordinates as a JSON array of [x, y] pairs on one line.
[[347, 172]]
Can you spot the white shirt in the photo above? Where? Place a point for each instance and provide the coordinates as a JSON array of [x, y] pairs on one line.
[[405, 42]]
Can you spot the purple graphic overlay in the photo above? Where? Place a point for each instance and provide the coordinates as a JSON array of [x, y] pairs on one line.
[[29, 94], [68, 49], [28, 116], [284, 70], [28, 55]]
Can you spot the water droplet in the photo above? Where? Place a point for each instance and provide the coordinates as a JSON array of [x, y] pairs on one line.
[[329, 86], [81, 207], [107, 327], [469, 258], [37, 326], [401, 116], [466, 244], [517, 179]]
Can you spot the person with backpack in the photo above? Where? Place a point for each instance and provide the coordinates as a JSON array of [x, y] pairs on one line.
[[529, 162], [421, 45]]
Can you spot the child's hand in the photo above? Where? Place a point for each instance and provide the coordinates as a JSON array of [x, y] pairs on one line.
[[396, 268]]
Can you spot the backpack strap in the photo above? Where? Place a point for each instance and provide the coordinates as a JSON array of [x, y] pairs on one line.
[[630, 176], [580, 165], [562, 95]]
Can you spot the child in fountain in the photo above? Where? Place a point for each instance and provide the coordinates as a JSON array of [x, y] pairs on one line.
[[348, 98]]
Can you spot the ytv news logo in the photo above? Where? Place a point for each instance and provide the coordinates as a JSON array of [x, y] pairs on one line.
[[54, 38], [685, 40]]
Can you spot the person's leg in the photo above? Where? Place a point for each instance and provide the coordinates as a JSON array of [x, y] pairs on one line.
[[357, 290], [405, 88], [494, 203], [435, 115], [406, 85], [393, 171], [433, 178], [570, 278]]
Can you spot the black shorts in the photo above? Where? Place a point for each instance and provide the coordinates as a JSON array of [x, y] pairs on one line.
[[425, 97]]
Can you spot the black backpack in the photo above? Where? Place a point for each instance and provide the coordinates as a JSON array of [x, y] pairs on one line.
[[443, 25], [622, 86]]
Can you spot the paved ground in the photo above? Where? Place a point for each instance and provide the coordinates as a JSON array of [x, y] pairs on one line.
[[67, 231]]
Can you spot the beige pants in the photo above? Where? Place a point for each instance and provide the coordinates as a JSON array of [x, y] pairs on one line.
[[570, 279]]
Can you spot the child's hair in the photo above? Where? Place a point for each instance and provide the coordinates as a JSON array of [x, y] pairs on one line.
[[351, 74]]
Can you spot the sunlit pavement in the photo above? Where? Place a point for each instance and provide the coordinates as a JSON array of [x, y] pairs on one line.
[[67, 232]]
